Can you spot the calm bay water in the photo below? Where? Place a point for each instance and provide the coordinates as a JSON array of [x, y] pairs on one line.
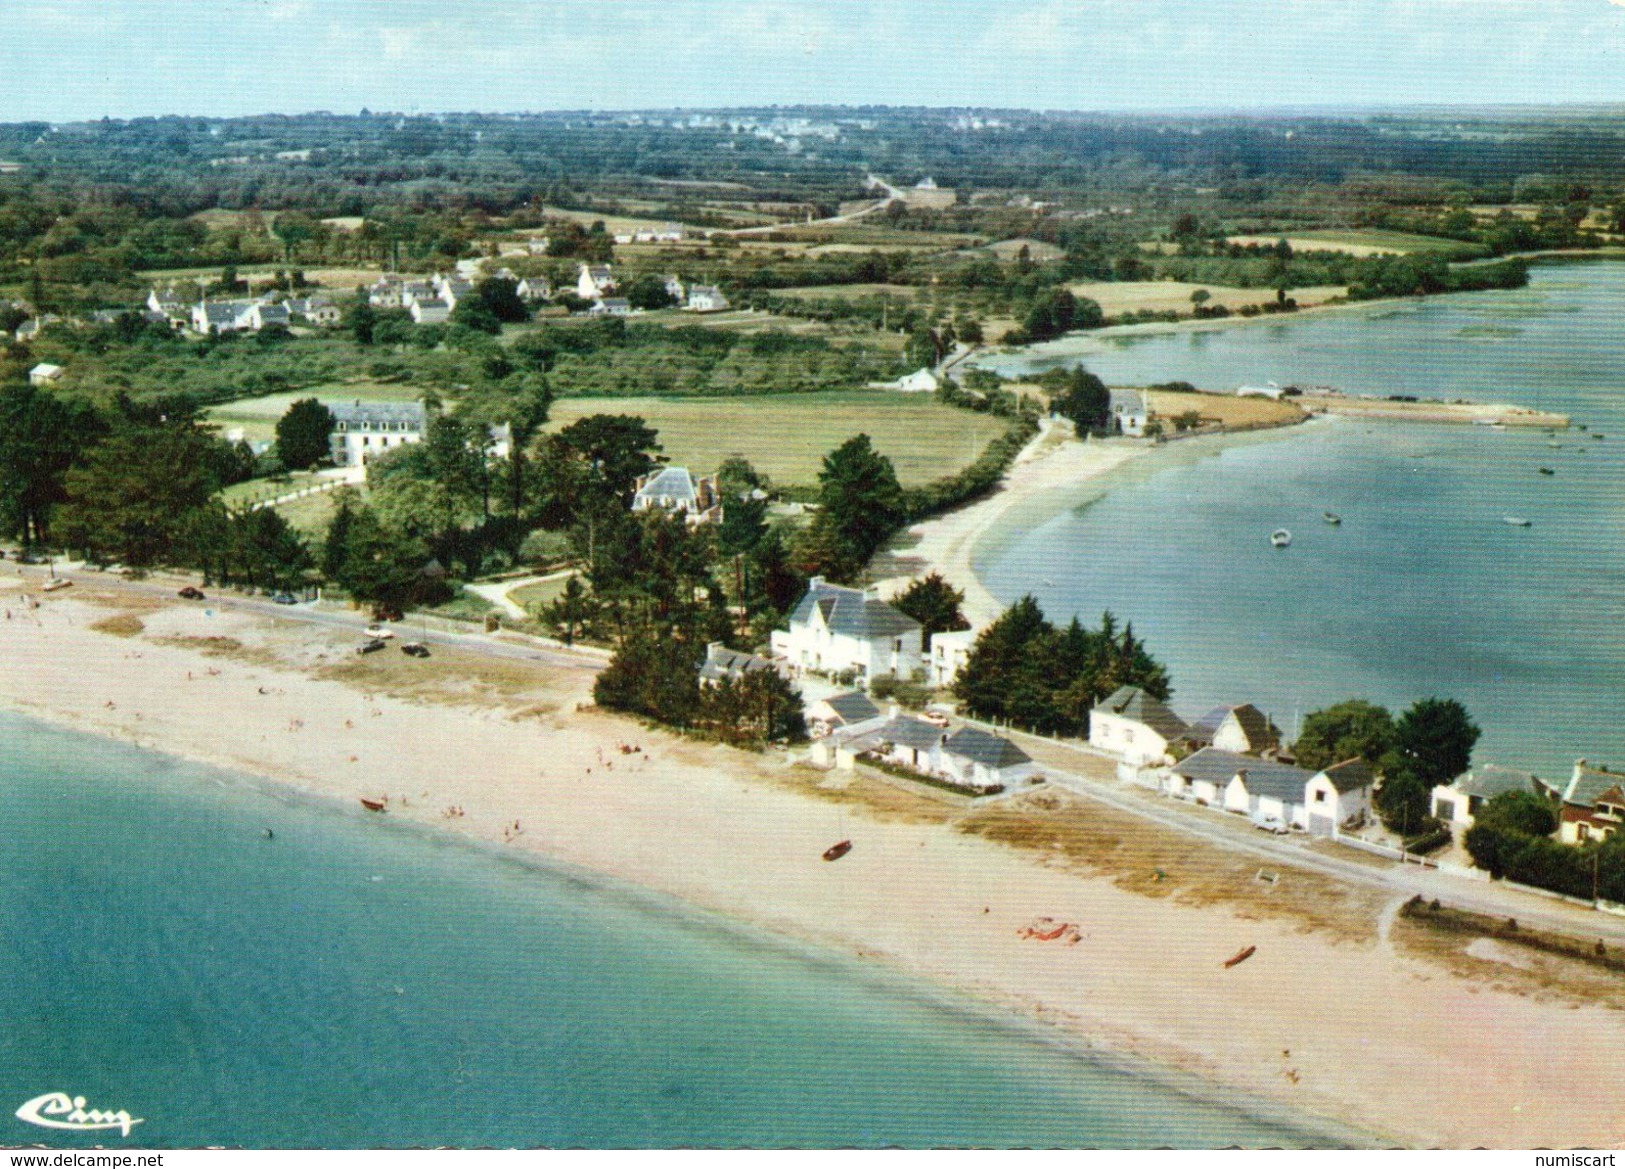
[[1423, 590], [351, 982]]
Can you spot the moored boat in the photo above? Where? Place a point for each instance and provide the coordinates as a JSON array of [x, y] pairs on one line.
[[1280, 537], [1332, 518], [836, 851], [1516, 521], [1240, 956], [372, 805]]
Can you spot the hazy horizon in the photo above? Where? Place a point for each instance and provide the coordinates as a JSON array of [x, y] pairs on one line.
[[80, 60]]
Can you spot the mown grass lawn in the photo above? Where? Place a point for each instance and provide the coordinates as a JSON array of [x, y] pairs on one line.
[[786, 436]]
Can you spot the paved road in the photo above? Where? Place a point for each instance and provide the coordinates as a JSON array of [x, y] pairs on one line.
[[1458, 892]]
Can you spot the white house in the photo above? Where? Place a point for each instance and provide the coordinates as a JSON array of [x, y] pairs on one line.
[[363, 430], [44, 374], [1244, 728], [975, 759], [1271, 391], [919, 382], [1317, 801], [836, 629], [595, 282], [1457, 802], [675, 289], [612, 306], [535, 288], [705, 298], [949, 652], [850, 710], [722, 663], [673, 489], [1129, 412], [430, 311], [1132, 724], [257, 316]]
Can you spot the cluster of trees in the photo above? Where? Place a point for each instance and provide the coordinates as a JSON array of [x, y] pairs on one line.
[[1511, 837], [1081, 396], [1429, 744], [1024, 671]]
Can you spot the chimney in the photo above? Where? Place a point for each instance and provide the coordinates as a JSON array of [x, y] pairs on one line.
[[815, 582]]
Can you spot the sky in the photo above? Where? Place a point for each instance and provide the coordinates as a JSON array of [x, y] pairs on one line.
[[65, 60]]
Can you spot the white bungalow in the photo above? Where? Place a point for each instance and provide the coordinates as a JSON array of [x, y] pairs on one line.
[[921, 381], [430, 311], [705, 298], [536, 288], [44, 374], [724, 664], [1459, 801], [847, 711], [976, 759], [1135, 726], [1318, 802], [1129, 412], [836, 629]]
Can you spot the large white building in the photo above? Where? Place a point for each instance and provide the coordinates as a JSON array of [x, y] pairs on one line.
[[364, 430], [835, 629]]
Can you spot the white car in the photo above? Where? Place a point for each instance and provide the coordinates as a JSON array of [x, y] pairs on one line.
[[379, 631], [1271, 824]]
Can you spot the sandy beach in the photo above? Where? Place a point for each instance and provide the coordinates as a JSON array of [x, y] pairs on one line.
[[1337, 1023], [1051, 463]]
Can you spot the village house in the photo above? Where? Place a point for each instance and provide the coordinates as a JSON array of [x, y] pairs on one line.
[[921, 381], [30, 328], [537, 245], [535, 288], [968, 758], [44, 374], [1593, 804], [836, 629], [722, 663], [430, 311], [673, 489], [1320, 802], [705, 298], [595, 282], [315, 310], [845, 711], [1130, 411], [1242, 728], [612, 306], [976, 759], [949, 652], [1458, 802], [674, 289], [1135, 726], [364, 430]]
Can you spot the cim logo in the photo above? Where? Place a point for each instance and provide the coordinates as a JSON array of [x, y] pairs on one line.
[[59, 1110]]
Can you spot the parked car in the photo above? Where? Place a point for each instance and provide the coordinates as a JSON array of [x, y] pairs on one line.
[[192, 593], [371, 646], [378, 631], [1271, 824], [935, 717], [284, 599], [415, 649]]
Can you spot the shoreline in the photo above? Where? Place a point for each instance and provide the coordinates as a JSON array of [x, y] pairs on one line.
[[741, 836]]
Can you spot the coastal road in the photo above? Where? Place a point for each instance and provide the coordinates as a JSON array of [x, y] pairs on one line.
[[1457, 892], [498, 646]]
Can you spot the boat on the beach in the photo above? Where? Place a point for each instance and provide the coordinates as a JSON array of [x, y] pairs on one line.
[[1280, 537], [836, 851], [1332, 518], [1547, 471], [372, 805], [55, 583], [1516, 521], [1240, 956]]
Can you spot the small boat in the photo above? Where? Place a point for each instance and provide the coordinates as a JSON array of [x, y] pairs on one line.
[[1280, 538], [372, 805], [1332, 518], [55, 583], [1547, 471], [1240, 956], [1556, 446], [836, 851], [1516, 521], [1051, 935]]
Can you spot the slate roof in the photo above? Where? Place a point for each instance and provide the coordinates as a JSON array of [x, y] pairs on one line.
[[674, 483], [722, 662], [1588, 783], [1264, 777], [1133, 703], [989, 750], [850, 613], [1490, 781], [1255, 724], [1350, 775], [1128, 402], [909, 732], [355, 413], [854, 706]]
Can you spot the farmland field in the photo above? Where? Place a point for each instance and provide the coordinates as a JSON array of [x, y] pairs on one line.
[[786, 436], [1372, 242], [1123, 296]]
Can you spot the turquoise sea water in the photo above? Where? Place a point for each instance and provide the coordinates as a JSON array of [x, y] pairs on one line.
[[1423, 590], [352, 982]]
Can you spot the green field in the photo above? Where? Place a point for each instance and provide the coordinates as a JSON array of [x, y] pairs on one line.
[[848, 291], [1365, 242], [786, 436]]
